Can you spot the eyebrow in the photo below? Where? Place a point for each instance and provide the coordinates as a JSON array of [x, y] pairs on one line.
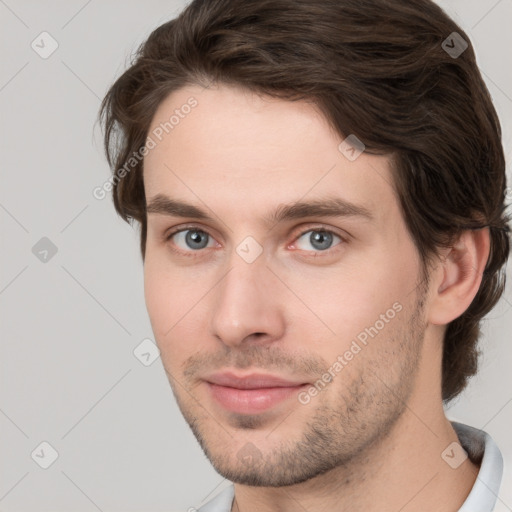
[[328, 207]]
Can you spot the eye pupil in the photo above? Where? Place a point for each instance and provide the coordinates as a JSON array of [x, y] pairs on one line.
[[321, 240], [193, 239]]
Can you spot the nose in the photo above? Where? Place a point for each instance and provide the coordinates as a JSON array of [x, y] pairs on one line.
[[248, 305]]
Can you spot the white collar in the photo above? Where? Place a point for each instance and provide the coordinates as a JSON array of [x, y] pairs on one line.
[[480, 445]]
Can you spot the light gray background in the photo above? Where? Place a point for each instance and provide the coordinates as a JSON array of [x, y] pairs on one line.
[[70, 325]]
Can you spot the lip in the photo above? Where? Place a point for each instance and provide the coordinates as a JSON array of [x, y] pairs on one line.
[[251, 381], [251, 394]]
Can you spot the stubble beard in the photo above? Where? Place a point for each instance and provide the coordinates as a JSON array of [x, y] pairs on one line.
[[343, 427]]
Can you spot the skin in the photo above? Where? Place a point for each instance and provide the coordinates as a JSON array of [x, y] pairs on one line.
[[372, 438]]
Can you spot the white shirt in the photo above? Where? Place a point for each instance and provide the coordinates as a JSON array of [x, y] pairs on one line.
[[484, 496]]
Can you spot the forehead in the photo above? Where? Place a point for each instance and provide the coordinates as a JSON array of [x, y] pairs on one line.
[[229, 122], [236, 148]]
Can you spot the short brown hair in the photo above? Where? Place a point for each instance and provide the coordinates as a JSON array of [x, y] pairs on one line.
[[377, 69]]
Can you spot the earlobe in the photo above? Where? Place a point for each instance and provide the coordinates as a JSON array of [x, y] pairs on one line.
[[459, 276]]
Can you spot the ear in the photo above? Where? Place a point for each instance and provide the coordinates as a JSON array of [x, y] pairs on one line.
[[456, 281]]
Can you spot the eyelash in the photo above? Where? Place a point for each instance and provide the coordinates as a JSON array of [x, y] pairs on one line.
[[195, 254]]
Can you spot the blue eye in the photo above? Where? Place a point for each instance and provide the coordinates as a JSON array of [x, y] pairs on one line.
[[194, 239], [190, 241], [320, 239]]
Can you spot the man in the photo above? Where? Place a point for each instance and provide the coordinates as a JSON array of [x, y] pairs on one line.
[[320, 188]]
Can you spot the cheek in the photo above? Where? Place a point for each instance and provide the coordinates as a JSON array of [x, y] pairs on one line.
[[155, 294], [351, 299], [175, 309], [165, 296]]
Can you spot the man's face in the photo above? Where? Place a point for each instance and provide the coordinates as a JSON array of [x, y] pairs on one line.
[[241, 293]]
